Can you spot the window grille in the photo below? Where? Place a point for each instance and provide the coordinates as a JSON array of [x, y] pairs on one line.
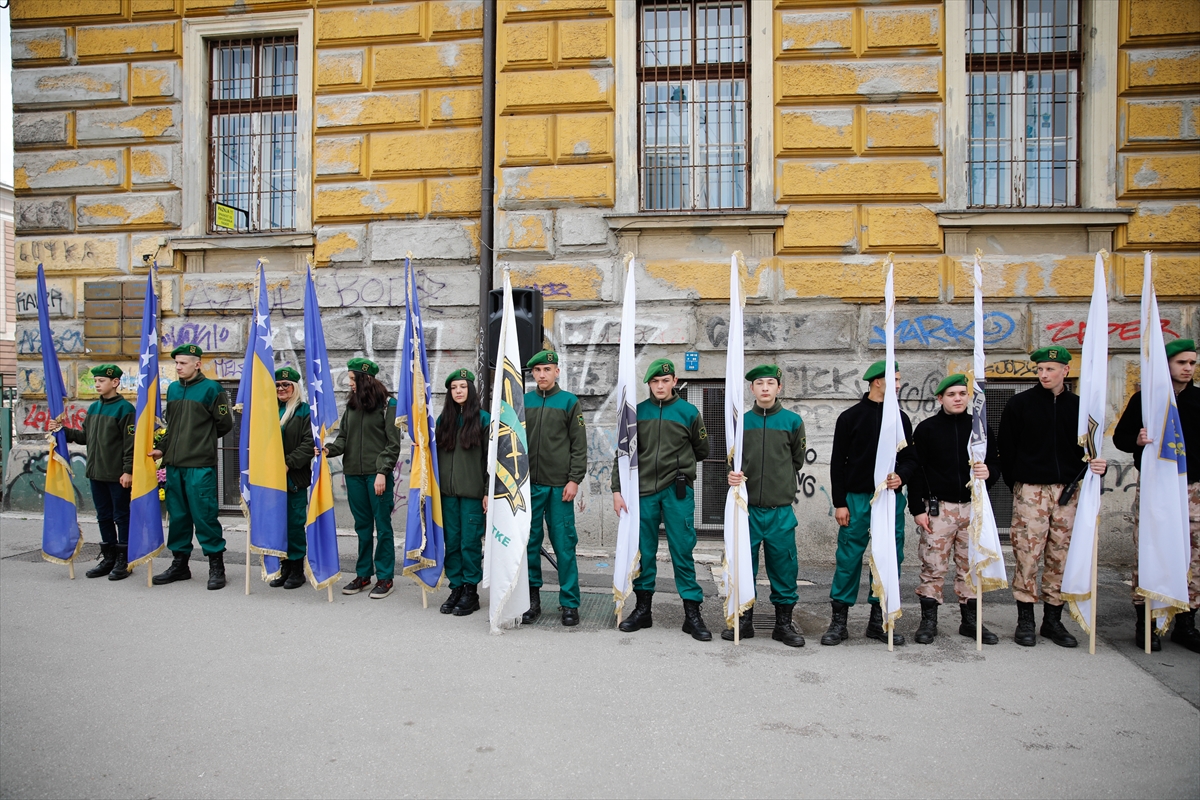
[[252, 130], [711, 486], [693, 102], [1023, 63]]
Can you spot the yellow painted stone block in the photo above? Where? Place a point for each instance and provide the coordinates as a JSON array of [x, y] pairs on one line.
[[95, 253], [1158, 120], [697, 280], [46, 43], [525, 231], [423, 151], [152, 81], [340, 67], [819, 228], [525, 140], [30, 10], [585, 40], [429, 63], [1163, 67], [338, 155], [903, 128], [902, 227], [1174, 276], [96, 41], [449, 16], [344, 241], [151, 165], [368, 199], [576, 184], [365, 23], [454, 197], [565, 281], [147, 7], [819, 30], [580, 88], [803, 129], [585, 136], [903, 27], [528, 43], [1164, 172], [454, 105], [911, 77], [377, 108], [1028, 276], [859, 277], [1163, 18], [1164, 223], [555, 8], [918, 178]]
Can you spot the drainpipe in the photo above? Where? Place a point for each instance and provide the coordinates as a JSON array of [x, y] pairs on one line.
[[487, 211]]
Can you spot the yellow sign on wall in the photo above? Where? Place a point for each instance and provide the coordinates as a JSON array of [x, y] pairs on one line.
[[226, 217]]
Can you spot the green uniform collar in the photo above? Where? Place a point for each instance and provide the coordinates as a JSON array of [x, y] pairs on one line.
[[553, 390], [766, 412], [664, 403]]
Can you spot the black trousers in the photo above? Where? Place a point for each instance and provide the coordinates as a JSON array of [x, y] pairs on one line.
[[112, 511]]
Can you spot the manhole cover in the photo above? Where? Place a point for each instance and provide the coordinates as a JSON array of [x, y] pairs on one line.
[[596, 612]]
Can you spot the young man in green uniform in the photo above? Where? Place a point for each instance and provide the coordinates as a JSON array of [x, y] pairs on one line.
[[671, 440], [773, 447], [296, 426], [557, 464], [197, 415], [108, 434]]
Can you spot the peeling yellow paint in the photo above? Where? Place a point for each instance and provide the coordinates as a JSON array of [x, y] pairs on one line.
[[920, 278], [401, 198], [903, 128], [428, 63], [340, 242], [454, 197], [824, 228], [1164, 223], [45, 48], [151, 81], [148, 163], [131, 40], [902, 227], [421, 151], [1174, 275], [579, 283]]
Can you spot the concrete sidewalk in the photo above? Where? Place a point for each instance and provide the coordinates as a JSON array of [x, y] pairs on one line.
[[114, 689]]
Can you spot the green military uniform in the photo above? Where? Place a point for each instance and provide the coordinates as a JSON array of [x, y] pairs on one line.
[[557, 442], [462, 478], [297, 456]]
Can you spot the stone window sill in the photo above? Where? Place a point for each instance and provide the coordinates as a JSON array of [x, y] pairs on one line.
[[1099, 223], [245, 241], [224, 253], [734, 227]]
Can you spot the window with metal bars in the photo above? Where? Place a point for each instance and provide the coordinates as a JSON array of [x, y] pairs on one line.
[[693, 104], [252, 134], [1023, 63], [711, 487]]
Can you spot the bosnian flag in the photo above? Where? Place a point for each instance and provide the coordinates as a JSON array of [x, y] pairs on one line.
[[627, 559], [738, 574], [145, 508], [322, 566]]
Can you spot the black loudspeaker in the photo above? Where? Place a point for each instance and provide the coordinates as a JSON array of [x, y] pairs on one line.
[[527, 311]]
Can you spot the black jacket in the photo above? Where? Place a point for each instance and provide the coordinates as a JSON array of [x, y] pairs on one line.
[[855, 440], [1126, 432], [941, 446], [1038, 439]]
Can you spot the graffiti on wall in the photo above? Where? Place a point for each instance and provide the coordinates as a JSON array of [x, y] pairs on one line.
[[1071, 330], [931, 330]]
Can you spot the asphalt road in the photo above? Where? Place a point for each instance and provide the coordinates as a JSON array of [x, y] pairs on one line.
[[116, 690]]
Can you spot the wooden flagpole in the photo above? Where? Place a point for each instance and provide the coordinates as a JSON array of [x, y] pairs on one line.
[[1095, 594], [71, 568], [979, 614], [329, 589], [890, 631], [737, 594], [424, 598], [1148, 628], [150, 573], [247, 555]]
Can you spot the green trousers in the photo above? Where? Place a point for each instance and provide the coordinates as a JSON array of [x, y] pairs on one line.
[[677, 516], [775, 530], [372, 514], [192, 504], [852, 545], [560, 519], [463, 520], [297, 516]]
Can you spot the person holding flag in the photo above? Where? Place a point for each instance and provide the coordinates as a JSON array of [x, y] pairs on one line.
[[197, 416], [774, 445], [942, 509], [557, 465], [146, 539], [852, 478], [1042, 462], [296, 429], [672, 439]]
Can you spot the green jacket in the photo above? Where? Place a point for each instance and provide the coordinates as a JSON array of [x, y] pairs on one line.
[[298, 448], [197, 415], [773, 448], [557, 437], [671, 439], [108, 434], [368, 441], [464, 473]]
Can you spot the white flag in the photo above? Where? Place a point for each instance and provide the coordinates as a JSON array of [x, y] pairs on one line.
[[984, 557], [1077, 588], [1164, 544], [506, 564], [885, 572], [627, 561], [738, 576]]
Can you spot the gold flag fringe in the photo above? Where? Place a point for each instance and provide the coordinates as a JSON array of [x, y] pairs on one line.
[[743, 608], [319, 585], [78, 547], [1174, 606], [889, 617], [987, 557], [57, 456], [620, 597], [147, 557]]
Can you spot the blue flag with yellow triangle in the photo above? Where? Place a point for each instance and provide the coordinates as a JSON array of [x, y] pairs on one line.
[[321, 564], [145, 506]]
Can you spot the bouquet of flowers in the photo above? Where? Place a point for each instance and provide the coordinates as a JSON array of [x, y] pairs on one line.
[[159, 433]]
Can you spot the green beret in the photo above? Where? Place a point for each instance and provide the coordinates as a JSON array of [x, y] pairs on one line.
[[1173, 348], [187, 350], [1058, 354], [544, 357], [107, 371], [463, 374], [957, 379], [660, 367], [287, 374], [364, 365], [876, 371], [765, 371]]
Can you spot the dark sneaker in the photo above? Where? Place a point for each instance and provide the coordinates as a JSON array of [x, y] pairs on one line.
[[357, 585], [382, 590]]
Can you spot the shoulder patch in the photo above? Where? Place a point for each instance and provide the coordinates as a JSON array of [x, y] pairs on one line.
[[130, 429], [703, 432], [581, 422], [223, 409]]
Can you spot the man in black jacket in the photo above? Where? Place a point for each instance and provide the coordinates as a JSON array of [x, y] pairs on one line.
[[942, 507], [1040, 456]]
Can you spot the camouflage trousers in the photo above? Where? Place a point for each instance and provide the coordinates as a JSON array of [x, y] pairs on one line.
[[1193, 527], [949, 535], [1040, 526]]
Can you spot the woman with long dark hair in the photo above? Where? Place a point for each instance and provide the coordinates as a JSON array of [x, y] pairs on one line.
[[461, 434], [369, 443]]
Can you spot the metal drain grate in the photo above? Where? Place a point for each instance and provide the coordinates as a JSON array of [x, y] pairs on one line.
[[596, 612]]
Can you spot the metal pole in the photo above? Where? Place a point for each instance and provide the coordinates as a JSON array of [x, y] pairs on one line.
[[487, 199]]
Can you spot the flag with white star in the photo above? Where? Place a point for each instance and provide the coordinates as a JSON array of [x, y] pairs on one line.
[[321, 563], [145, 507]]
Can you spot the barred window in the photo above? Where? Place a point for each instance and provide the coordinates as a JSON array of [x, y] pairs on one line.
[[693, 103], [252, 130], [1023, 60]]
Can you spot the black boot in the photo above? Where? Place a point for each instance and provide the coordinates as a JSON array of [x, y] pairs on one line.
[[455, 595], [1025, 635], [875, 627], [535, 606], [570, 617], [285, 572], [747, 627], [468, 603], [1185, 632], [1139, 630], [967, 627], [297, 578], [216, 571], [693, 623], [927, 630], [1053, 629], [641, 616], [178, 571], [120, 570], [837, 632], [785, 630], [108, 559]]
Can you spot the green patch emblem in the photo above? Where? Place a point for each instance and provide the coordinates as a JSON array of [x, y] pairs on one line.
[[222, 409], [130, 430]]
